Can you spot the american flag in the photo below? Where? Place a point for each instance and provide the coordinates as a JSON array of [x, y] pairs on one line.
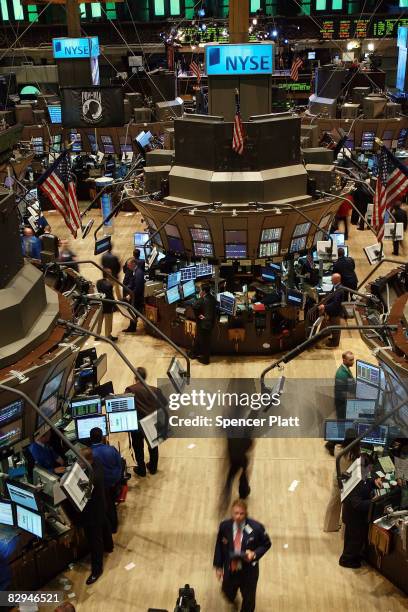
[[238, 135], [392, 185], [296, 66], [58, 185], [195, 69]]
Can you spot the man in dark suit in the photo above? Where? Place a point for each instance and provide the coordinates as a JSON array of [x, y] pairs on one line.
[[400, 216], [112, 262], [345, 266], [104, 286], [145, 405], [332, 308], [135, 284], [241, 542], [205, 310]]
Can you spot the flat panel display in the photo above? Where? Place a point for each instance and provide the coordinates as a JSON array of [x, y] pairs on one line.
[[230, 59], [84, 425], [123, 421], [29, 521], [120, 403]]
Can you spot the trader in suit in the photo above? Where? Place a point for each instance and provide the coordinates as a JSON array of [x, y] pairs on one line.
[[345, 266], [241, 542], [136, 284], [104, 286], [112, 262], [332, 309], [205, 310], [145, 405]]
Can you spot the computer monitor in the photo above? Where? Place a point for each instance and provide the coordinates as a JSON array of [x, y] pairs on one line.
[[378, 436], [311, 55], [92, 143], [366, 391], [52, 386], [203, 269], [120, 403], [335, 430], [346, 250], [30, 521], [235, 251], [143, 139], [387, 138], [173, 295], [102, 245], [175, 244], [188, 289], [55, 144], [203, 249], [173, 279], [84, 425], [276, 267], [402, 137], [55, 114], [228, 303], [38, 145], [367, 372], [48, 408], [122, 421], [125, 144], [107, 145], [268, 274], [85, 356], [188, 273], [22, 494], [11, 433], [85, 406], [338, 238], [367, 141], [105, 389], [294, 297], [6, 513], [139, 240], [76, 139], [72, 482], [176, 375], [11, 412], [360, 409]]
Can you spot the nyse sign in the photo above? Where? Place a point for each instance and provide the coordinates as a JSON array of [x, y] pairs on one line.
[[72, 48], [239, 59]]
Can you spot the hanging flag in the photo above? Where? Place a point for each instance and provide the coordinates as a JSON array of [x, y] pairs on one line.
[[296, 66], [58, 185], [195, 69], [392, 185], [238, 136]]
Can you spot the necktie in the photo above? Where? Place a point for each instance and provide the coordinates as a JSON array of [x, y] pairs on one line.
[[237, 549]]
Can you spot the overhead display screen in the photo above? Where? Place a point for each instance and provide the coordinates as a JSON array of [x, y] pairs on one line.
[[71, 48], [239, 59], [337, 28]]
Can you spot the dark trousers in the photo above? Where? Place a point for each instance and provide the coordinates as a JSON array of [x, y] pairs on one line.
[[395, 244], [111, 511], [335, 335], [355, 540], [99, 538], [238, 459], [202, 343], [138, 441], [139, 306], [244, 580]]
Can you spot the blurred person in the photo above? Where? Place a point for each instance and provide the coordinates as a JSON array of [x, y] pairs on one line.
[[66, 254], [112, 262], [346, 267], [343, 215], [31, 245], [400, 216], [105, 286], [49, 242], [135, 286], [332, 309], [205, 313], [112, 464], [44, 455]]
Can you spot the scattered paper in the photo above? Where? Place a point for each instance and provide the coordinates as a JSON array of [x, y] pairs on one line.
[[71, 595], [388, 476], [67, 587], [385, 485], [380, 474], [293, 485], [190, 446], [130, 566], [128, 214], [386, 464]]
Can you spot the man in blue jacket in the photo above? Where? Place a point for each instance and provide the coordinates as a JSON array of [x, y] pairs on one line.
[[112, 465], [241, 542]]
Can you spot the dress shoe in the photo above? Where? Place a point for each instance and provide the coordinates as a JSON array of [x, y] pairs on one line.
[[204, 361], [139, 471], [129, 330], [113, 338], [152, 472], [93, 578], [352, 564]]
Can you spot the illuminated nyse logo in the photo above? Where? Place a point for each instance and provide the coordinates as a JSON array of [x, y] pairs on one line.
[[73, 48], [239, 59]]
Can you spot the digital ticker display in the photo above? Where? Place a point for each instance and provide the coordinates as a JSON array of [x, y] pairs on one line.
[[338, 28]]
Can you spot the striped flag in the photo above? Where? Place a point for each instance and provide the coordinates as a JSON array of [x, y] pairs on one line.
[[195, 69], [58, 185], [392, 185], [296, 66], [238, 136]]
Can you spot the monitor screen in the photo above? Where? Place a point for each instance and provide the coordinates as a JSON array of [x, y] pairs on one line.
[[366, 391], [38, 145], [92, 142], [368, 372], [55, 144], [144, 138], [52, 386], [21, 494], [378, 436], [203, 249], [76, 139], [84, 425], [298, 244], [271, 234], [125, 144], [204, 270], [86, 406], [277, 267], [176, 375], [6, 513], [268, 274], [227, 303], [175, 244], [200, 234], [311, 55], [173, 279], [107, 145], [294, 297], [187, 274], [139, 239], [122, 421], [11, 412], [367, 141], [402, 138], [120, 403], [55, 114], [335, 431], [102, 245], [29, 521], [235, 251], [188, 289], [49, 408], [338, 239], [360, 409], [172, 295], [11, 433]]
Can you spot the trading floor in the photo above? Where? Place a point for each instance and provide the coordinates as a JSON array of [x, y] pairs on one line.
[[169, 521]]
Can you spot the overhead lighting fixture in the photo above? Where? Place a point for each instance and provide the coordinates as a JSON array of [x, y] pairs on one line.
[[277, 211], [192, 211], [234, 212], [254, 21], [275, 33], [371, 46]]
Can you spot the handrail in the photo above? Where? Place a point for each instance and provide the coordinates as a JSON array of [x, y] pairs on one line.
[[385, 260]]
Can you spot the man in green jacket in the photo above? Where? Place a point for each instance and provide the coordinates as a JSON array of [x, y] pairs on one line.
[[343, 384]]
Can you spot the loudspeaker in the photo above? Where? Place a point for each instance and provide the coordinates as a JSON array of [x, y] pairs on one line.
[[167, 111], [325, 107], [374, 107], [392, 110]]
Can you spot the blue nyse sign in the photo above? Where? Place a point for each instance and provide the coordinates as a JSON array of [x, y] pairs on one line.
[[73, 48], [239, 59]]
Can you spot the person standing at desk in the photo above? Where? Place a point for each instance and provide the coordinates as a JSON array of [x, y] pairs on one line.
[[346, 267], [400, 216], [111, 462], [104, 286], [332, 309], [344, 383], [45, 456], [241, 543], [112, 262], [205, 311]]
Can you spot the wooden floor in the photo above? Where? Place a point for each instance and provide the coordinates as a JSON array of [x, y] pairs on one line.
[[169, 521]]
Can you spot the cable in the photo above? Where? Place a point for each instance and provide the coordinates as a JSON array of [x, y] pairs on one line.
[[25, 31]]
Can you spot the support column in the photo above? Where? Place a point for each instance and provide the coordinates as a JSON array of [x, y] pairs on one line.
[[238, 21]]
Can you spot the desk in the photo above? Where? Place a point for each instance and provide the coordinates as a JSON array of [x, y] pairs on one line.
[[394, 566]]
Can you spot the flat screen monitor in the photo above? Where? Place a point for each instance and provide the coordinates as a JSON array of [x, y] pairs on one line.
[[21, 494], [311, 55], [144, 138], [55, 114], [11, 412], [105, 389], [38, 145], [52, 386], [139, 240], [402, 137], [295, 298], [204, 270], [173, 279], [85, 406], [76, 139], [268, 274], [276, 267], [349, 144], [235, 251], [175, 244], [338, 238], [120, 403], [227, 303], [6, 513], [125, 144], [55, 144], [366, 391], [189, 273], [173, 295], [188, 289], [84, 425], [387, 138], [176, 375], [86, 356], [335, 431], [125, 420], [346, 250], [378, 436], [102, 245], [30, 521], [367, 372], [107, 145], [367, 141], [203, 249], [11, 433], [92, 143], [360, 409], [49, 408], [200, 234]]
